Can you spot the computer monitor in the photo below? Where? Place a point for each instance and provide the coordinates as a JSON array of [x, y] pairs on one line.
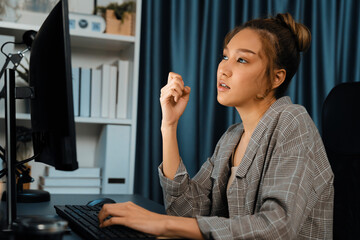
[[52, 114]]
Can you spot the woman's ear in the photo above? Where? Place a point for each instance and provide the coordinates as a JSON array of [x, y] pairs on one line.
[[279, 77]]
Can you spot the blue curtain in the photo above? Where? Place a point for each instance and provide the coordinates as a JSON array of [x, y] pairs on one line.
[[186, 37]]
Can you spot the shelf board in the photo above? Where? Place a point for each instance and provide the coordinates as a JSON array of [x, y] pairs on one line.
[[16, 29], [103, 121], [99, 41], [90, 120], [21, 116]]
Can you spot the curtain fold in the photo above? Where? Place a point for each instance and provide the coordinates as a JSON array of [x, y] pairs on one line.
[[186, 37]]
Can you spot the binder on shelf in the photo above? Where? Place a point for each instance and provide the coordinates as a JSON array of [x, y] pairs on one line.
[[105, 86], [70, 190], [123, 88], [112, 92], [80, 172], [113, 156], [76, 89], [85, 90], [70, 182], [83, 180], [95, 109]]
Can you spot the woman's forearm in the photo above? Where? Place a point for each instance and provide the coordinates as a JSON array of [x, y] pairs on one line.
[[182, 227], [171, 156]]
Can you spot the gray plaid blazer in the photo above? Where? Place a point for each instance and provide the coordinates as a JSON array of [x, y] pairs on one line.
[[283, 187]]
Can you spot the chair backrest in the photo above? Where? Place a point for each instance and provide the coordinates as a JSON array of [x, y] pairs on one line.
[[341, 136]]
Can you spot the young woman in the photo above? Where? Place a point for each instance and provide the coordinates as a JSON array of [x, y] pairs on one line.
[[269, 177]]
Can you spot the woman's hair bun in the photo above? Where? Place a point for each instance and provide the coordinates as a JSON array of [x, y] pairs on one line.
[[301, 32]]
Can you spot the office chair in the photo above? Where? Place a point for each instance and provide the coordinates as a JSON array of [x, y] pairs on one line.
[[341, 136]]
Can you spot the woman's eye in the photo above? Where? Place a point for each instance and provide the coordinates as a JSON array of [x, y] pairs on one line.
[[225, 57], [241, 60]]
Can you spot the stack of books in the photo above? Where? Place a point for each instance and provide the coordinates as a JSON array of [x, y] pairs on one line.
[[102, 92], [80, 181]]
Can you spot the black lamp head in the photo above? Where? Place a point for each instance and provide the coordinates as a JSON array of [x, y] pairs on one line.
[[28, 37]]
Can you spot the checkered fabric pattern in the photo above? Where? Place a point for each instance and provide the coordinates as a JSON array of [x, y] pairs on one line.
[[283, 187]]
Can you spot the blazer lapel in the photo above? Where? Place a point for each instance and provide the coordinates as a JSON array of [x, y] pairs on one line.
[[251, 149], [258, 137], [222, 164], [221, 172]]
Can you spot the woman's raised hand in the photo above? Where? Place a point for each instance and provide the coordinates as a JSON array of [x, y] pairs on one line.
[[173, 99]]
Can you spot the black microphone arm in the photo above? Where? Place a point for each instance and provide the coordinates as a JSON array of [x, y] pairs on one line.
[[28, 38]]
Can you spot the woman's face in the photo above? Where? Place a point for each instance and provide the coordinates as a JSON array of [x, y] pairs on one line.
[[241, 73]]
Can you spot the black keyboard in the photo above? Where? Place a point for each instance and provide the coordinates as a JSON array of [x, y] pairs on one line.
[[84, 221]]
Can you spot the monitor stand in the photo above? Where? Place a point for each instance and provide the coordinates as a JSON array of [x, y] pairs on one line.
[[15, 190], [30, 196], [10, 149]]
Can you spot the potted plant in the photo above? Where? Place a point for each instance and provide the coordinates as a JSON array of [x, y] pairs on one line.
[[120, 18]]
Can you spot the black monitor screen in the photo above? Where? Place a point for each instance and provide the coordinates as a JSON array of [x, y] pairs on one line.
[[52, 114]]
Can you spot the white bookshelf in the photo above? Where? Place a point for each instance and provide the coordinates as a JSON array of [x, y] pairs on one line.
[[91, 50], [100, 41], [26, 116]]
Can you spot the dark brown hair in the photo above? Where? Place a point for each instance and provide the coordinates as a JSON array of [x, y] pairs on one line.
[[283, 39]]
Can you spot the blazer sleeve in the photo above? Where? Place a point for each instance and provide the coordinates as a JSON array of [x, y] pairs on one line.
[[297, 180], [187, 197]]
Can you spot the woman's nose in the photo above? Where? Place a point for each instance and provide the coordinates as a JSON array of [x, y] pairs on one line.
[[224, 69]]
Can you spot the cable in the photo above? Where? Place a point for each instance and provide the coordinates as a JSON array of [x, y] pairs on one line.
[[15, 43], [2, 150], [18, 164], [23, 135], [2, 156], [2, 153], [27, 160], [3, 47], [3, 172], [17, 172], [22, 167]]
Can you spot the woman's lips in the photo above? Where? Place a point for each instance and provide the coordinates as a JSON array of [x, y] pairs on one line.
[[223, 87]]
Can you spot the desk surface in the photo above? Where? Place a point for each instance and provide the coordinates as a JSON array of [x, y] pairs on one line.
[[47, 208]]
